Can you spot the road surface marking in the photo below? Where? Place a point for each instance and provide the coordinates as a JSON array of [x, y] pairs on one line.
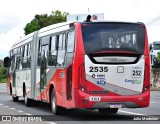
[[28, 114], [152, 102], [52, 123], [130, 112], [19, 111], [12, 108], [6, 106], [1, 104]]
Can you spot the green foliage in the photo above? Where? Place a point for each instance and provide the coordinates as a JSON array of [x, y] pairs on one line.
[[44, 20], [3, 80], [158, 56], [3, 73]]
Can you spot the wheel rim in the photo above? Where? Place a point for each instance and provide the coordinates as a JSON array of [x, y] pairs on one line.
[[53, 104]]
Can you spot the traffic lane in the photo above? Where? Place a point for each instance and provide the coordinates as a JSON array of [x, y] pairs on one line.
[[155, 97], [153, 109], [34, 110], [3, 87], [74, 114], [44, 108], [7, 111], [77, 114], [68, 115]]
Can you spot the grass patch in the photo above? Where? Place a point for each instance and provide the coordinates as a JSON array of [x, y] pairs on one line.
[[3, 80]]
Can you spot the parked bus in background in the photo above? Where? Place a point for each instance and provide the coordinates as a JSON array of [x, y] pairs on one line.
[[89, 64], [155, 54]]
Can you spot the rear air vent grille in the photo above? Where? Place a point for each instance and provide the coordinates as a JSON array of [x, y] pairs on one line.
[[98, 92]]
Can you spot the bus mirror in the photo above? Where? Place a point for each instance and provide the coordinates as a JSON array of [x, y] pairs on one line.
[[88, 19], [7, 62], [150, 47]]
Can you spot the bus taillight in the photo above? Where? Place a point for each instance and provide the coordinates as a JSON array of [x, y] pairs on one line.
[[82, 78], [146, 84]]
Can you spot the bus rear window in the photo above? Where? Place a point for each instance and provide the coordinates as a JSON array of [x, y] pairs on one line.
[[113, 36]]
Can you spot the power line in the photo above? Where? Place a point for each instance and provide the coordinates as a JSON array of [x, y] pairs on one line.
[[153, 21]]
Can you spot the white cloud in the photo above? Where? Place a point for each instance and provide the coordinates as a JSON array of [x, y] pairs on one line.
[[15, 14]]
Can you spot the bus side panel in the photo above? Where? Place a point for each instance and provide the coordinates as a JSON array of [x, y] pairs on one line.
[[58, 79], [9, 82], [23, 78], [19, 83], [37, 87], [78, 60]]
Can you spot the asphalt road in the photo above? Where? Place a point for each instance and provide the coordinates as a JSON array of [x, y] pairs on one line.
[[81, 116]]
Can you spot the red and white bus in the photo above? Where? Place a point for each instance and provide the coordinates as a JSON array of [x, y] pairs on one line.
[[93, 65]]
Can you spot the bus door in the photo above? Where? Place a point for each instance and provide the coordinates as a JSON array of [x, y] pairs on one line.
[[69, 58], [43, 67], [13, 68]]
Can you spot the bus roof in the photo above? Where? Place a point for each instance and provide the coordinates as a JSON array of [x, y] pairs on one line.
[[23, 40], [64, 25]]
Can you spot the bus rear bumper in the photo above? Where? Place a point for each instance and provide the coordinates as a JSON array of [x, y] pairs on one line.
[[136, 101]]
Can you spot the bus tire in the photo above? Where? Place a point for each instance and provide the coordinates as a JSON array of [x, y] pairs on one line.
[[27, 101], [57, 110], [10, 89], [15, 98], [104, 111]]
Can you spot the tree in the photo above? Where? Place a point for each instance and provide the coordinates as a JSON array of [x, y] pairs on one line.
[[3, 72], [44, 20]]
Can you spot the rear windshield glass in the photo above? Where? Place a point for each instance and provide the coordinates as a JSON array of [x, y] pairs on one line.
[[113, 36]]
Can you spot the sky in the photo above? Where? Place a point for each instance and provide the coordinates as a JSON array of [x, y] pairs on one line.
[[15, 14]]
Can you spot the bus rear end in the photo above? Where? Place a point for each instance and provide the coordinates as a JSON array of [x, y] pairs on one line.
[[112, 66]]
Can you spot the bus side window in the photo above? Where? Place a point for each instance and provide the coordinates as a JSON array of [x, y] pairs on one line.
[[39, 53], [25, 52], [28, 55], [52, 58], [18, 59], [70, 41], [21, 57], [70, 47], [61, 50], [43, 50], [12, 60]]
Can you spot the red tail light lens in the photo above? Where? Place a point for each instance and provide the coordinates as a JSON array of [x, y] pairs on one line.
[[82, 78], [146, 85]]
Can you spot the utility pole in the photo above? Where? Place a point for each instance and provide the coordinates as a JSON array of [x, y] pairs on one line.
[[88, 11]]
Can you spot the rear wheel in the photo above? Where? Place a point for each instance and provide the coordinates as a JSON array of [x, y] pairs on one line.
[[108, 110], [27, 101], [57, 110], [15, 98], [10, 89]]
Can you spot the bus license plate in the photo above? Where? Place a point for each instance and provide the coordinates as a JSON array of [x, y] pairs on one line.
[[115, 106], [94, 98]]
